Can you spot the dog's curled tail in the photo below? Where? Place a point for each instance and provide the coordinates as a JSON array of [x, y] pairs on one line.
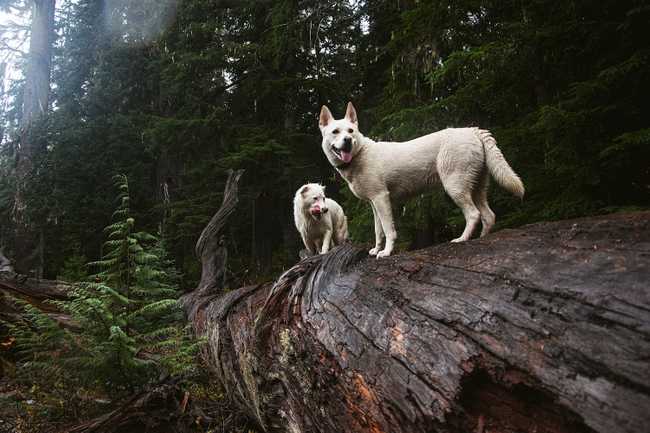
[[498, 166]]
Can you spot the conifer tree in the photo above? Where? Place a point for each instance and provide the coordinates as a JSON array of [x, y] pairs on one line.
[[123, 328]]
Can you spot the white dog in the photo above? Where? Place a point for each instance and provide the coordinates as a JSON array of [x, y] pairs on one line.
[[462, 159], [319, 220]]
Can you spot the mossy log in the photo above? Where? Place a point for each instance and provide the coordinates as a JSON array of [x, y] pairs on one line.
[[545, 328]]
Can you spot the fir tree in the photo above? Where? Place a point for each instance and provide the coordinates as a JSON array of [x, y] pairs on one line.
[[123, 326]]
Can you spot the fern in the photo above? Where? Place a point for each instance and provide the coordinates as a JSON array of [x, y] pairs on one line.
[[126, 324]]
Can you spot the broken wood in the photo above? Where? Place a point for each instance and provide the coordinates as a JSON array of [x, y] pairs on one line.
[[162, 408], [544, 328], [154, 409]]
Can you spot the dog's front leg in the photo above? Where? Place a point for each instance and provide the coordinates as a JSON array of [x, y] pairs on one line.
[[309, 245], [327, 238], [383, 208], [379, 232]]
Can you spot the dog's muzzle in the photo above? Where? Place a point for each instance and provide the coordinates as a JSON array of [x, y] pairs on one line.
[[347, 144], [317, 210], [344, 153]]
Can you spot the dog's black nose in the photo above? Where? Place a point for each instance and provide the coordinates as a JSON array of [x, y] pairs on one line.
[[347, 144]]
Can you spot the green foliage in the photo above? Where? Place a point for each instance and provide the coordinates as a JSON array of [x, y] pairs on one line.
[[124, 327], [74, 269]]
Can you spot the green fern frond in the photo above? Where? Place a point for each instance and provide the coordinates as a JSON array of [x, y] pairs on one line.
[[127, 324]]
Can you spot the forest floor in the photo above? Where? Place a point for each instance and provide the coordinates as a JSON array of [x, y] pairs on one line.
[[194, 406]]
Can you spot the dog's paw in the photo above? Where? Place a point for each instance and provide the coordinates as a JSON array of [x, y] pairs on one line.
[[455, 241], [374, 251], [383, 253]]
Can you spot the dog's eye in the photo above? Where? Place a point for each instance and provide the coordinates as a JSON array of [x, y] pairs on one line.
[[336, 131], [315, 198], [350, 130]]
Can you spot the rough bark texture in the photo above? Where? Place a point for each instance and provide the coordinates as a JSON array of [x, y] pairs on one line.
[[545, 328], [211, 248]]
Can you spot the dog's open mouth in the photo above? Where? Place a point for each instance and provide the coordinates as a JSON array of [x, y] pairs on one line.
[[342, 154], [317, 212]]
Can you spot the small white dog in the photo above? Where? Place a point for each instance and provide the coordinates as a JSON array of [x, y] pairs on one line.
[[319, 220], [462, 159]]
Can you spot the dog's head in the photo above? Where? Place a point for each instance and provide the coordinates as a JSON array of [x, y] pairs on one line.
[[341, 138], [312, 199]]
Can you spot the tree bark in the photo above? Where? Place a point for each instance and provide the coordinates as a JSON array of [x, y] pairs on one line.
[[37, 84], [545, 328], [28, 242]]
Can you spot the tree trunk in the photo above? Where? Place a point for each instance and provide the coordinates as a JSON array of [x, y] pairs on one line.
[[37, 84], [545, 328], [35, 103]]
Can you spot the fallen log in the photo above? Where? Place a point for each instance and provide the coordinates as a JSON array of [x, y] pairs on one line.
[[33, 290], [545, 328], [27, 286]]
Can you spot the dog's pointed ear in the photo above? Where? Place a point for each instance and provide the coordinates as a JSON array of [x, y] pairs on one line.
[[325, 117], [351, 113], [304, 189]]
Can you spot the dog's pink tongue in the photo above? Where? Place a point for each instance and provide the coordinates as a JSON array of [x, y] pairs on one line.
[[346, 156]]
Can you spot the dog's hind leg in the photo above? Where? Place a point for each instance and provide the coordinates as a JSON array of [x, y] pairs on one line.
[[470, 211], [459, 189], [379, 232], [479, 195]]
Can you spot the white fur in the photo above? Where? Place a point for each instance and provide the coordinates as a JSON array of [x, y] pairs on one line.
[[318, 233], [383, 172]]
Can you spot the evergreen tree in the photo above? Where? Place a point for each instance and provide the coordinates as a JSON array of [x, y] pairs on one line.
[[124, 326]]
